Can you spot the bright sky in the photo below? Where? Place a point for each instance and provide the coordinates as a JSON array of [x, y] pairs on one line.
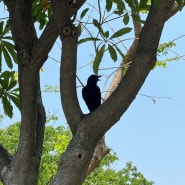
[[150, 135]]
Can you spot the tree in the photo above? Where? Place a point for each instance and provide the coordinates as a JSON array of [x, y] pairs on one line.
[[55, 143], [88, 130]]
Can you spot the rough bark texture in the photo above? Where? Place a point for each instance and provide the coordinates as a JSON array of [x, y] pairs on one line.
[[23, 167]]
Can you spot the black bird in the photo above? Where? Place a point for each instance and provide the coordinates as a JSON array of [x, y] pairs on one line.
[[91, 93]]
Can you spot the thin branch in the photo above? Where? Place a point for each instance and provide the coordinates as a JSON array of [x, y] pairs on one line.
[[178, 37], [4, 18], [79, 81], [156, 97], [100, 15], [177, 54], [54, 59]]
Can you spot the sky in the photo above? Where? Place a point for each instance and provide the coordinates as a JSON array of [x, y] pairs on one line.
[[149, 134]]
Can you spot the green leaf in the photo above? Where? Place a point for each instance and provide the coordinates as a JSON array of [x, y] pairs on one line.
[[7, 74], [15, 90], [119, 3], [79, 27], [112, 52], [84, 13], [143, 3], [15, 100], [88, 39], [120, 52], [11, 49], [7, 58], [108, 5], [6, 29], [11, 85], [98, 59], [41, 11], [126, 19], [0, 59], [121, 32], [6, 78], [1, 27], [7, 107], [98, 25], [4, 83], [106, 34]]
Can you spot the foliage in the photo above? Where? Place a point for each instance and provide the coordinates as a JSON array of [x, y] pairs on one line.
[[48, 88], [41, 12], [8, 79], [129, 175], [9, 91], [55, 142], [7, 48], [163, 50], [9, 137]]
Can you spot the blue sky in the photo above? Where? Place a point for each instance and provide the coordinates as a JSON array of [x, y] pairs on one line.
[[150, 135]]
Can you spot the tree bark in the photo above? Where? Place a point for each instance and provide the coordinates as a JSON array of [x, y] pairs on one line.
[[24, 166]]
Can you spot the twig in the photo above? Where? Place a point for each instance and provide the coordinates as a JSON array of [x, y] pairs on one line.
[[79, 81]]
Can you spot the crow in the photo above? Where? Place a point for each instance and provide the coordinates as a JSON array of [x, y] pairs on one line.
[[91, 93]]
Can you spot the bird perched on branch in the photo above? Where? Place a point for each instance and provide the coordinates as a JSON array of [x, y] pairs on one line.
[[91, 93]]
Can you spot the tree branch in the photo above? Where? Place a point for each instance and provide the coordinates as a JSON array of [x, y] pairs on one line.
[[100, 152], [50, 34], [69, 35], [174, 10]]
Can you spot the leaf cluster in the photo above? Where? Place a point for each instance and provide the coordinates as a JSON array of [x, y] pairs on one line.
[[163, 50], [8, 79], [106, 38], [7, 48], [9, 92], [55, 142], [41, 12], [129, 175]]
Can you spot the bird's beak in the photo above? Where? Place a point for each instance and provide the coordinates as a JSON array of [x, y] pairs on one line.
[[99, 77]]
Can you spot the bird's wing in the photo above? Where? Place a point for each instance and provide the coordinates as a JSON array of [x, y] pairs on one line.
[[97, 94], [92, 97]]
